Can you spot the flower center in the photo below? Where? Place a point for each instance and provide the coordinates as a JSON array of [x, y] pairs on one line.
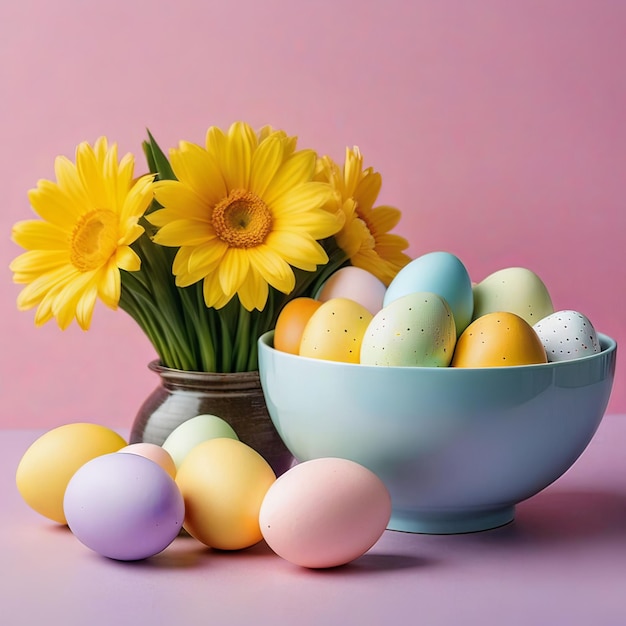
[[94, 240], [242, 220]]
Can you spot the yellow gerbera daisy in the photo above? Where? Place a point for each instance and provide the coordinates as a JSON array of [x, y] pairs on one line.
[[365, 236], [243, 212], [76, 250]]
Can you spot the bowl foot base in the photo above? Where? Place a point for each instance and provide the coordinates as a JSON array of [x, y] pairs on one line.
[[450, 522]]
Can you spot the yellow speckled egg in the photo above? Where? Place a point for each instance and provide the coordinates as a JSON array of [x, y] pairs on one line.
[[335, 331], [50, 462], [498, 339], [223, 482]]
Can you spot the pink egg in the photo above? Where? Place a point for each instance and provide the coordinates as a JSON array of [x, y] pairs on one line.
[[355, 284], [324, 512], [153, 452]]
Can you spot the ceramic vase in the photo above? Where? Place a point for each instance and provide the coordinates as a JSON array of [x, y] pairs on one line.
[[235, 397]]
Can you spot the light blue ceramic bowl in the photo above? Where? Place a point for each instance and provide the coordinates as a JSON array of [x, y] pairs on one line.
[[457, 448]]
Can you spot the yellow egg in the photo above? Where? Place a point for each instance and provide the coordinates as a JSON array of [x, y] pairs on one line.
[[223, 482], [50, 462], [335, 331], [498, 339]]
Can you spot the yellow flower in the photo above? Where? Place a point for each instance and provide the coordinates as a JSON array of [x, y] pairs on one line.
[[365, 236], [243, 212], [76, 250]]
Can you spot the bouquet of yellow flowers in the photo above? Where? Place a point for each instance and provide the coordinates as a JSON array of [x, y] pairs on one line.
[[205, 249]]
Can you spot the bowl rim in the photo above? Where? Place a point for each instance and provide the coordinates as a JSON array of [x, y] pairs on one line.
[[608, 345]]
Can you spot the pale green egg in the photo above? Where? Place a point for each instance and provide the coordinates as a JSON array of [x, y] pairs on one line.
[[513, 290], [194, 431], [415, 330]]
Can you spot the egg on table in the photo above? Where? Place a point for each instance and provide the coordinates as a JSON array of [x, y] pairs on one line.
[[223, 482], [154, 452], [50, 462], [124, 506], [194, 431], [324, 512]]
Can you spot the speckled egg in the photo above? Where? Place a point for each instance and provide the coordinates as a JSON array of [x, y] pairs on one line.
[[415, 330], [498, 339], [334, 332], [567, 335], [438, 272]]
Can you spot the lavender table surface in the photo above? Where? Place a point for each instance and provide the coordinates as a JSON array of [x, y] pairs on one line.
[[562, 561]]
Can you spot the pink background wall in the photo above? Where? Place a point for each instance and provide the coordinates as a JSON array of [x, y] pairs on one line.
[[498, 127]]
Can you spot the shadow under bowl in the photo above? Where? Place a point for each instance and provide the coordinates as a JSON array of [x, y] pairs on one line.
[[457, 448]]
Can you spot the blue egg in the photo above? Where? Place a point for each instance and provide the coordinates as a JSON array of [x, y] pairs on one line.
[[441, 273]]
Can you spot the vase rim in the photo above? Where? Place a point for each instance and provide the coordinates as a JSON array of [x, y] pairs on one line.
[[177, 375]]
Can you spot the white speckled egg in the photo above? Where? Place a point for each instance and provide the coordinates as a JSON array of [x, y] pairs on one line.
[[324, 512], [567, 335], [514, 290], [356, 284], [415, 330], [437, 272]]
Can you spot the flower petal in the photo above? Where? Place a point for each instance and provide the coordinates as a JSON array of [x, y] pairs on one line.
[[297, 169]]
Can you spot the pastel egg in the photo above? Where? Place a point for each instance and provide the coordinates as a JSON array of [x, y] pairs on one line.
[[223, 482], [515, 290], [567, 335], [355, 284], [415, 330], [498, 339], [194, 431], [291, 322], [438, 272], [124, 506], [153, 452], [48, 464], [334, 332], [324, 512]]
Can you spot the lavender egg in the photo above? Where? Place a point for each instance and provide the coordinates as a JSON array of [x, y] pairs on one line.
[[124, 506]]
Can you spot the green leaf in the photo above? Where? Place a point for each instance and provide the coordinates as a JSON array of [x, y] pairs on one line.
[[157, 160], [147, 150]]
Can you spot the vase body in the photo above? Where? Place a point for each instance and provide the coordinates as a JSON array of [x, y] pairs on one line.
[[235, 397]]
